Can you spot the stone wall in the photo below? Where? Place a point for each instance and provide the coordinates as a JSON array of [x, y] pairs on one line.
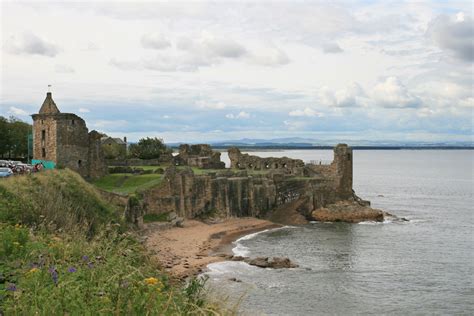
[[200, 156], [283, 165], [63, 139]]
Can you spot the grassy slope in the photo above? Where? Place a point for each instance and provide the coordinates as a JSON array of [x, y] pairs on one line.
[[126, 183], [64, 251]]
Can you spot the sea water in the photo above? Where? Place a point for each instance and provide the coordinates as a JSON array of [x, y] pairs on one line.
[[421, 267]]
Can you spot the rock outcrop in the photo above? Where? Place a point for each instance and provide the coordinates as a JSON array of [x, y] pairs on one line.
[[347, 211]]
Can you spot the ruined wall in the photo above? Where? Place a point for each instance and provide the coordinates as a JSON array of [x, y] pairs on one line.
[[283, 165], [72, 145], [201, 156], [238, 193], [96, 162]]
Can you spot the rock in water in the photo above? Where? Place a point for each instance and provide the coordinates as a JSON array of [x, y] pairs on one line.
[[347, 211], [274, 263]]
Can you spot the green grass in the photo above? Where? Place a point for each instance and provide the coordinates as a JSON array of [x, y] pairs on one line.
[[149, 218], [65, 251], [63, 274], [126, 183]]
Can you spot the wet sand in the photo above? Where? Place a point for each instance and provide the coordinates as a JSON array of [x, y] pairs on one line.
[[186, 251]]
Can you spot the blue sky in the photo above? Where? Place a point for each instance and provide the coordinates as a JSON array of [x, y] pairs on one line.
[[203, 71]]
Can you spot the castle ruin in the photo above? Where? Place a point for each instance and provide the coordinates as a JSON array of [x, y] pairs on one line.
[[62, 140]]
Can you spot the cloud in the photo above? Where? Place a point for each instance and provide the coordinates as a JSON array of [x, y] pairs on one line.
[[210, 105], [65, 69], [270, 56], [454, 34], [393, 94], [351, 96], [83, 110], [240, 115], [17, 111], [155, 41], [332, 48], [30, 44], [305, 112], [210, 46]]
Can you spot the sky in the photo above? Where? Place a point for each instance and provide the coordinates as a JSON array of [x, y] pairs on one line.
[[209, 71]]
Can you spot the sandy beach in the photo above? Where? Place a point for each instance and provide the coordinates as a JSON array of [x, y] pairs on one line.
[[185, 251]]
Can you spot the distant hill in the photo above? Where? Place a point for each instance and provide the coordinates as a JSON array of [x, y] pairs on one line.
[[305, 143]]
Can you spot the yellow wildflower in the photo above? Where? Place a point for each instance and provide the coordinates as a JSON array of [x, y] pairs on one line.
[[151, 281], [32, 271]]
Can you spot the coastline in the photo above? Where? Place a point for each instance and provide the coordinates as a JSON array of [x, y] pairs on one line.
[[186, 251]]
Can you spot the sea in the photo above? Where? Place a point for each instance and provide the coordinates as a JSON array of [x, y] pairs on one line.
[[421, 267]]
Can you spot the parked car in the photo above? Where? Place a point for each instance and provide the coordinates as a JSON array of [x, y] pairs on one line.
[[5, 172]]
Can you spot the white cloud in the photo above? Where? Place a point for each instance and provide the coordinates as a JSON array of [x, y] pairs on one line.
[[309, 112], [17, 111], [454, 34], [83, 110], [30, 44], [332, 48], [240, 115], [155, 41], [65, 69], [351, 96], [209, 46], [391, 93], [210, 105], [270, 56]]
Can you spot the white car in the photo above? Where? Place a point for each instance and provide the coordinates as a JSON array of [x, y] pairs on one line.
[[5, 172]]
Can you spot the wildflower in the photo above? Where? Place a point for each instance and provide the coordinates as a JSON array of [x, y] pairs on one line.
[[90, 265], [71, 270], [151, 281], [54, 275], [85, 258], [11, 287], [33, 270]]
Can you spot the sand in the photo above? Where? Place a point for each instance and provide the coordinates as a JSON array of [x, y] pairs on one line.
[[186, 251]]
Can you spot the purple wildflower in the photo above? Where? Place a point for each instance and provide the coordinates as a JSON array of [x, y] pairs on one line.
[[85, 258], [11, 287], [90, 265], [54, 275], [72, 269]]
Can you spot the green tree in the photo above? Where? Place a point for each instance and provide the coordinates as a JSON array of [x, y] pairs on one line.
[[149, 148], [14, 137]]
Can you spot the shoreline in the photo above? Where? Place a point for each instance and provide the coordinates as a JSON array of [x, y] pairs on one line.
[[186, 251]]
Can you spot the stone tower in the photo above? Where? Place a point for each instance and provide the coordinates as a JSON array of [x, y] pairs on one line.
[[63, 140], [343, 162]]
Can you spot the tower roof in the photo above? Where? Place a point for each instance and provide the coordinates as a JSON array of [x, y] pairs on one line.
[[49, 107]]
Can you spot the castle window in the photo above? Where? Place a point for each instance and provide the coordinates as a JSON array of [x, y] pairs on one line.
[[72, 122], [43, 135], [79, 163], [42, 121], [43, 153], [349, 157]]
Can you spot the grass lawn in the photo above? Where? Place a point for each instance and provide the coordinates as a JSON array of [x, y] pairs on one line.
[[127, 183]]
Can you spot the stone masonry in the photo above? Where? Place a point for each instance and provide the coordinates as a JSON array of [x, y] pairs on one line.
[[63, 139]]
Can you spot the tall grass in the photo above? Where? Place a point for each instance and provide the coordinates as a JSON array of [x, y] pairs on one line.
[[59, 199], [63, 250]]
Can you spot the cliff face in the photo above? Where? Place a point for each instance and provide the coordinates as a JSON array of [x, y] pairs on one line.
[[238, 195]]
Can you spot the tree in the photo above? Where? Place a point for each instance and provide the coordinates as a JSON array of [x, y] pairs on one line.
[[14, 137], [149, 148]]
